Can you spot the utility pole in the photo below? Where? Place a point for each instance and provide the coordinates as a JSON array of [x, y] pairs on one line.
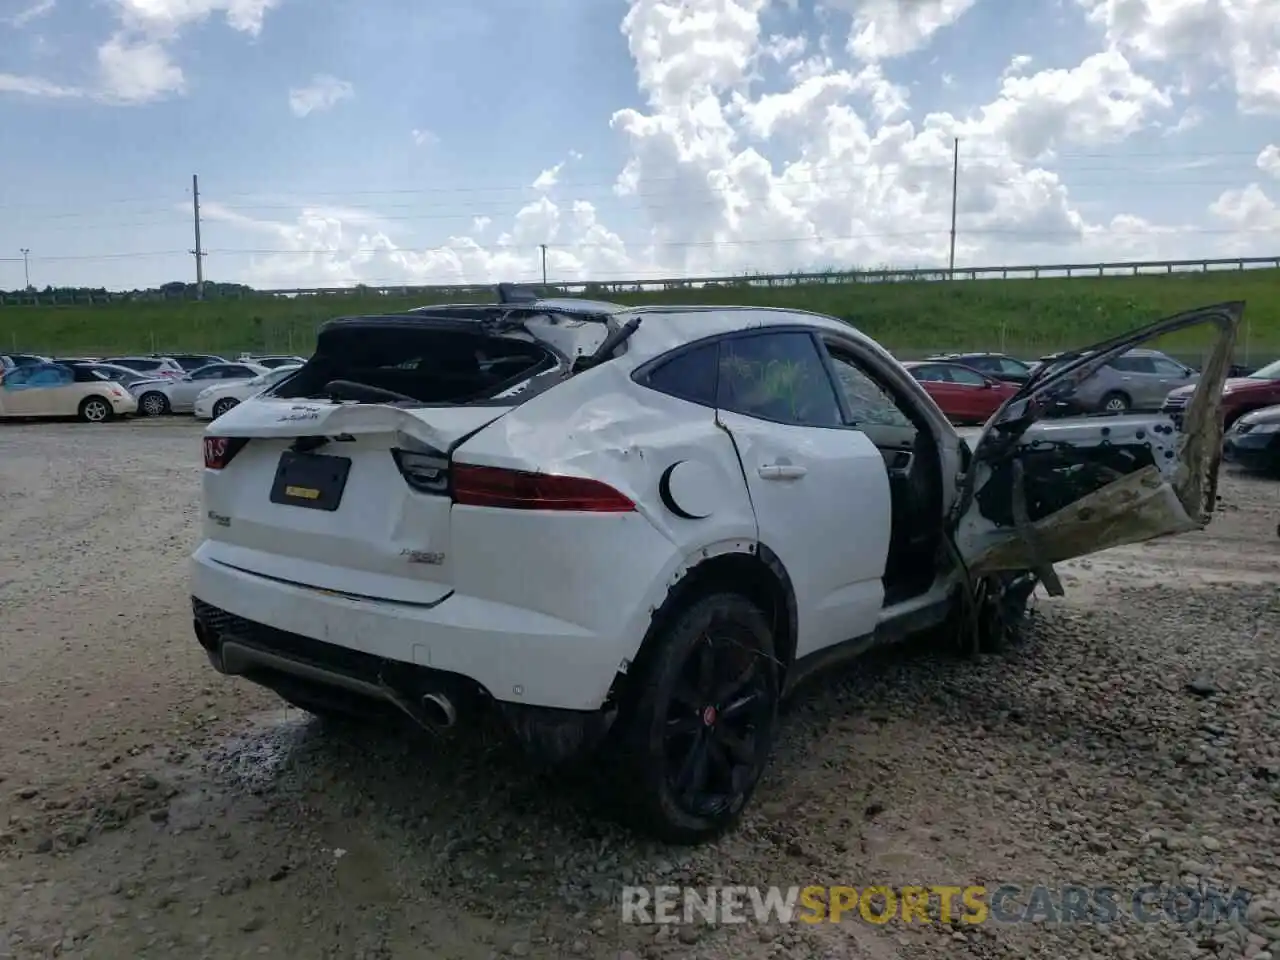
[[26, 268], [198, 252], [543, 247], [955, 182]]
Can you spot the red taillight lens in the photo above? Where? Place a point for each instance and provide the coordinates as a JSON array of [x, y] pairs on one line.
[[218, 451], [518, 490]]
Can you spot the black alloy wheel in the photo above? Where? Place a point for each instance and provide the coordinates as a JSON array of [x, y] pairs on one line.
[[698, 736]]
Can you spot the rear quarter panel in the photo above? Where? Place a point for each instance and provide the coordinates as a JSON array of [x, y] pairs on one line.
[[604, 572]]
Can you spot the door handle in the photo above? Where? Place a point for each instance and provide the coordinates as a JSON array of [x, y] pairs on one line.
[[781, 471]]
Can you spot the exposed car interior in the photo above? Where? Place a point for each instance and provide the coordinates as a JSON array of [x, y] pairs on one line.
[[901, 433], [416, 363]]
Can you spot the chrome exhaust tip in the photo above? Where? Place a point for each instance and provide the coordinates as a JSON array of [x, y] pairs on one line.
[[439, 711]]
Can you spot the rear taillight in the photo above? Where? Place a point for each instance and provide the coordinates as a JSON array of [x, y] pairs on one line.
[[218, 451], [518, 490]]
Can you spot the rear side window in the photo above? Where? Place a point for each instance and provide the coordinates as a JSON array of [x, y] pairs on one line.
[[690, 375], [1133, 365], [932, 374], [779, 377]]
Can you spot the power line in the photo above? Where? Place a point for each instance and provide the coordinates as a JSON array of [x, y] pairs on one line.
[[1112, 159], [472, 213], [645, 243]]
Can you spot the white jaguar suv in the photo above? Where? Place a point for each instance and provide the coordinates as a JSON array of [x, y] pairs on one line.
[[632, 530]]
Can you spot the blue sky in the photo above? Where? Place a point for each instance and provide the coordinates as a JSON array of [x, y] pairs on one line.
[[339, 142]]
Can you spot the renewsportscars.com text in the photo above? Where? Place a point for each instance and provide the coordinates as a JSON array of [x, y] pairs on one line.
[[973, 904]]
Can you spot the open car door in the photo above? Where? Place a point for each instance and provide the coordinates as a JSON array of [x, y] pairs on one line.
[[1043, 489]]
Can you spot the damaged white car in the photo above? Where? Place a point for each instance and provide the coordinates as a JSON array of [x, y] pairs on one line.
[[632, 530]]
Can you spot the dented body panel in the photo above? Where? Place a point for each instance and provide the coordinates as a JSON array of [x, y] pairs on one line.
[[544, 608]]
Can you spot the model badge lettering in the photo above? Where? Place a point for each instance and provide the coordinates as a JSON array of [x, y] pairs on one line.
[[423, 556], [305, 493]]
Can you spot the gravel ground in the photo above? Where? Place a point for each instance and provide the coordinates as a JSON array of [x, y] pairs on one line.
[[150, 808]]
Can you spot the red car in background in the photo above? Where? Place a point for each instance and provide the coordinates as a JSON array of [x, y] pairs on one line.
[[964, 394], [1240, 395]]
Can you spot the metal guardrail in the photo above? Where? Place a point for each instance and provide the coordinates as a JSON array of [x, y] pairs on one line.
[[598, 287]]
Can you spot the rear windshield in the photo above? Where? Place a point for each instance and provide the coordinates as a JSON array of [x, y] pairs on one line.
[[123, 375], [426, 365], [139, 364]]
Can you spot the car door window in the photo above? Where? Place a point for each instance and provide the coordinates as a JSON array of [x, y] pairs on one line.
[[207, 373], [237, 373], [779, 377], [1009, 365], [17, 377], [934, 374], [1167, 368], [689, 375], [46, 377], [868, 402], [970, 378]]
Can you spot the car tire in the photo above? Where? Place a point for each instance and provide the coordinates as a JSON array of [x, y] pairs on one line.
[[1115, 402], [95, 410], [223, 405], [153, 404], [1002, 602], [695, 730]]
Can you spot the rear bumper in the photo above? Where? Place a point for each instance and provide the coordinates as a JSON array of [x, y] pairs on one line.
[[516, 657]]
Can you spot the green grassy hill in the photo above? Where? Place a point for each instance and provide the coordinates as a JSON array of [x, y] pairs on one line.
[[1023, 317]]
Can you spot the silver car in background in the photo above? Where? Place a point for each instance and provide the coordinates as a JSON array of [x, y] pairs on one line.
[[131, 380], [179, 396], [1137, 380]]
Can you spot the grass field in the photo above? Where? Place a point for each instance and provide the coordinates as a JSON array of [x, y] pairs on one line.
[[1023, 317]]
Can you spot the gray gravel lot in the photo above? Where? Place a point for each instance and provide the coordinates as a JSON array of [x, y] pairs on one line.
[[149, 808]]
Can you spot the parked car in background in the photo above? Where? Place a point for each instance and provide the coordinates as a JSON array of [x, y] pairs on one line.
[[179, 396], [131, 380], [212, 402], [998, 366], [271, 362], [10, 360], [1240, 395], [962, 393], [1253, 440], [165, 367], [1137, 380], [191, 362], [58, 390], [635, 530]]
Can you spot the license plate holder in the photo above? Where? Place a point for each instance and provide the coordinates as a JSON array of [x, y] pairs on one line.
[[311, 480]]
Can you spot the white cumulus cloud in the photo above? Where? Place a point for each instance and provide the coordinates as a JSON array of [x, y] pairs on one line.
[[324, 92], [829, 162]]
